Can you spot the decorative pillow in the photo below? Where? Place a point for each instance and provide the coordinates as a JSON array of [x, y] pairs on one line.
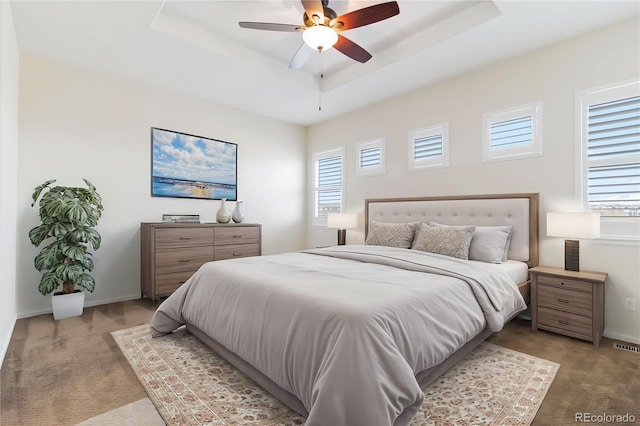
[[489, 244], [391, 234], [451, 241]]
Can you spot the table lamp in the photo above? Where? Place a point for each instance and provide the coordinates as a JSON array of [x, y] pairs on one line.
[[342, 222], [573, 226]]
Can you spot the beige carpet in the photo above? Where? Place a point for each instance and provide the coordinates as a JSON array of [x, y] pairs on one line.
[[190, 385]]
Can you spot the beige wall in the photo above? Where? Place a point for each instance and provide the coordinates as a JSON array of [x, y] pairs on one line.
[[552, 75], [9, 64], [76, 124]]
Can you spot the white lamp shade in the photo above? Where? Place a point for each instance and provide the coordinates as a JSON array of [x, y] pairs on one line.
[[342, 220], [573, 225], [320, 37]]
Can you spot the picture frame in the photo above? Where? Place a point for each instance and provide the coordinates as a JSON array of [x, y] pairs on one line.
[[190, 166]]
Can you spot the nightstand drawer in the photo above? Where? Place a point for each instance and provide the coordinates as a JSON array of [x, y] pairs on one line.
[[577, 302], [565, 283], [565, 321]]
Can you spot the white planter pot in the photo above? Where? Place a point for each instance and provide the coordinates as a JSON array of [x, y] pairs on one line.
[[67, 305]]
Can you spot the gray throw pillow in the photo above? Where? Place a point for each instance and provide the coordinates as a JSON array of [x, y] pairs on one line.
[[391, 234], [451, 241]]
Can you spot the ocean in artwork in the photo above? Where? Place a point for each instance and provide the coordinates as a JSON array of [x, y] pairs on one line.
[[170, 187]]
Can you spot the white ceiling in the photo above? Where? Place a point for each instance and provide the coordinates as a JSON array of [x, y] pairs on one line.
[[197, 47]]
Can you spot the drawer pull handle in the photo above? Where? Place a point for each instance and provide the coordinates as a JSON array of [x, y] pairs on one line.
[[185, 238], [561, 282], [237, 236], [182, 282], [563, 322], [185, 260], [237, 254], [563, 300]]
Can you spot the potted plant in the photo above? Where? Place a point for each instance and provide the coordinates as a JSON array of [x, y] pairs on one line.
[[68, 216]]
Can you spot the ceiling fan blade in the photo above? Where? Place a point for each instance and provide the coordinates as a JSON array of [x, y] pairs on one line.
[[365, 16], [301, 56], [271, 27], [351, 49], [314, 7]]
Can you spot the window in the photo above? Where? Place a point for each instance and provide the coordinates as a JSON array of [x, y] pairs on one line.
[[512, 134], [429, 147], [329, 180], [370, 157], [608, 151]]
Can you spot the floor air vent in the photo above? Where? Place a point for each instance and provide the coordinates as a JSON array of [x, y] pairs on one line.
[[629, 348]]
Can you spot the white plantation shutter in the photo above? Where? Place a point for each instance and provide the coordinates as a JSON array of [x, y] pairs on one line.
[[613, 157], [429, 147], [329, 184], [370, 156], [513, 133]]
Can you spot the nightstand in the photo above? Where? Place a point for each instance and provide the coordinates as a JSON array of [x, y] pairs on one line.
[[568, 302]]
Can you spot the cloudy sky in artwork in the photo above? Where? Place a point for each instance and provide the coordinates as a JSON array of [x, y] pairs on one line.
[[181, 156]]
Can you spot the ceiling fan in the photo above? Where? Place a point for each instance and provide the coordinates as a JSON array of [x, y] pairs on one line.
[[322, 27]]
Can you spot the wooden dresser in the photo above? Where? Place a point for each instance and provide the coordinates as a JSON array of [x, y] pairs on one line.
[[567, 302], [171, 252]]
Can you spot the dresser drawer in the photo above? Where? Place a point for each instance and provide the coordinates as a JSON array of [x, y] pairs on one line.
[[183, 259], [577, 302], [168, 283], [167, 238], [565, 321], [236, 250], [568, 284], [237, 235]]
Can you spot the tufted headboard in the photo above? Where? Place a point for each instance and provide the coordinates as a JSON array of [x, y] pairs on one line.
[[518, 210]]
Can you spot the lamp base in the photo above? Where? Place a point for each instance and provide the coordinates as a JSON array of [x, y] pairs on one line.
[[342, 237], [572, 255]]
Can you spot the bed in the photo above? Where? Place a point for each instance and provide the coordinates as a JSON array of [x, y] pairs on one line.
[[349, 335]]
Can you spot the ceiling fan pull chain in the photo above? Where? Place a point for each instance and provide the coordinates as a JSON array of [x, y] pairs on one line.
[[320, 84]]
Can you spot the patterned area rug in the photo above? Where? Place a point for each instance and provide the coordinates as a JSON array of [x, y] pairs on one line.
[[191, 385]]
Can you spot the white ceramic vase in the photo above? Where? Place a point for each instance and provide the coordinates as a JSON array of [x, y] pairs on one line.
[[67, 305], [237, 215], [223, 215]]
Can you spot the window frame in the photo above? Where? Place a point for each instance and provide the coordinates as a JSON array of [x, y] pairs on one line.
[[370, 171], [619, 228], [317, 220], [530, 150], [424, 132]]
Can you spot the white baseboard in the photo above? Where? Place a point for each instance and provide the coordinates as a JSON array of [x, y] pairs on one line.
[[622, 337], [87, 304], [5, 345]]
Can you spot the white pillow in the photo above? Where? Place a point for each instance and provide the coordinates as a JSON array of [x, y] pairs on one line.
[[451, 241], [488, 245], [391, 234]]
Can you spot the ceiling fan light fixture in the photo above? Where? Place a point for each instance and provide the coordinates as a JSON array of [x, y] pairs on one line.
[[320, 37]]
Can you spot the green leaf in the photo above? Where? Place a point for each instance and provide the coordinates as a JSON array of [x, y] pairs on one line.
[[48, 283], [38, 234], [87, 282], [75, 252], [38, 190], [48, 257]]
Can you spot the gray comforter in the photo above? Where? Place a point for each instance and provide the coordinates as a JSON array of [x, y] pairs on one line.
[[345, 329]]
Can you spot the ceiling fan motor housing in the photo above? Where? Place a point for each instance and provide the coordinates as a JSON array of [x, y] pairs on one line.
[[329, 14]]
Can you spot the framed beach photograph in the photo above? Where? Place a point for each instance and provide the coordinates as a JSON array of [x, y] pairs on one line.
[[189, 166]]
